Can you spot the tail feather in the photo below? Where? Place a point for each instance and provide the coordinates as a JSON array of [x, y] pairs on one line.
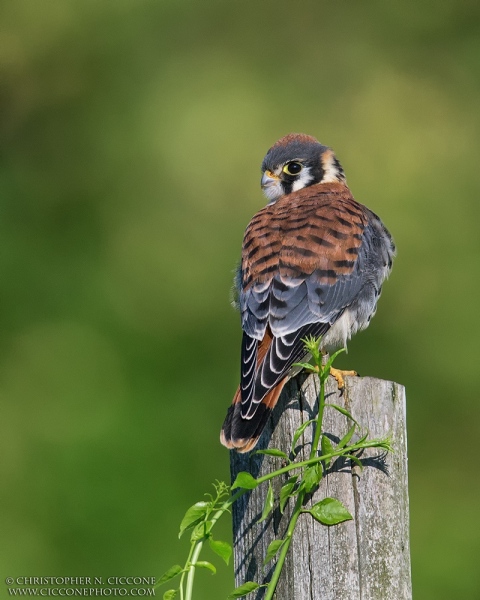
[[243, 434], [246, 418]]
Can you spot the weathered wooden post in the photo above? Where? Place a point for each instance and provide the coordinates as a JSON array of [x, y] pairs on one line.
[[364, 559]]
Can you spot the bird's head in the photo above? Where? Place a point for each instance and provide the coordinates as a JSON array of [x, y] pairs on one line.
[[297, 161]]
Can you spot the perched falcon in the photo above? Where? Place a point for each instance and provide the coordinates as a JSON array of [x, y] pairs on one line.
[[313, 263]]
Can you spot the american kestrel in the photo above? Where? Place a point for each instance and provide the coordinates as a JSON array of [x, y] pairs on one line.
[[313, 264]]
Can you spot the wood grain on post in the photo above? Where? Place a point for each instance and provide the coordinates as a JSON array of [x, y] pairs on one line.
[[364, 559]]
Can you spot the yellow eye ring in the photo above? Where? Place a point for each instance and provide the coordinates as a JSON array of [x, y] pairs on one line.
[[292, 168]]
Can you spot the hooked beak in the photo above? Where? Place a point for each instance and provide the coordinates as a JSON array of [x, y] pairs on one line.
[[269, 179]]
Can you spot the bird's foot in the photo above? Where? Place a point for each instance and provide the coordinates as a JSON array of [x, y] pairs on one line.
[[339, 376]]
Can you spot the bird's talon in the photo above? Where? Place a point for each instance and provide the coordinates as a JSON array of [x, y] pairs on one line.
[[339, 376]]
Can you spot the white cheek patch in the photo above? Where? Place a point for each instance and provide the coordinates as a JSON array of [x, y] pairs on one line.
[[304, 178], [330, 170]]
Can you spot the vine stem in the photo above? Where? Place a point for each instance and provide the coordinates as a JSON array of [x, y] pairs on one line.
[[319, 419], [312, 461], [196, 548], [272, 584], [184, 572]]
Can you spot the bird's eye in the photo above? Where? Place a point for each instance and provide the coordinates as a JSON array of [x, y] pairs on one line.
[[292, 168]]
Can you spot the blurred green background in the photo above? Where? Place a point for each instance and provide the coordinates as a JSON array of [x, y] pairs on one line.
[[132, 133]]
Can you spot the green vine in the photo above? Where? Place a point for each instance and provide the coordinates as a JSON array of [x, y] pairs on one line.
[[305, 477]]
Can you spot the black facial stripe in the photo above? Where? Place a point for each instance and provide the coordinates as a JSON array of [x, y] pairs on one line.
[[288, 185]]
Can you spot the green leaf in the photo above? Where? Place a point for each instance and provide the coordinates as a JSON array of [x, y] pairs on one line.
[[170, 594], [307, 366], [223, 549], [347, 437], [243, 590], [245, 480], [299, 432], [330, 511], [327, 448], [386, 444], [272, 452], [272, 549], [200, 530], [343, 411], [193, 514], [268, 506], [363, 438], [203, 564], [170, 574], [286, 492], [312, 477]]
